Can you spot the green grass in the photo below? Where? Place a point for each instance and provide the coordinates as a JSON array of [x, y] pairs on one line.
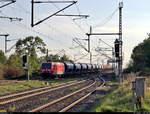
[[119, 99], [20, 86], [28, 85]]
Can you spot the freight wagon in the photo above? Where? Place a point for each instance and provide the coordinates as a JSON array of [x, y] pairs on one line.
[[60, 69]]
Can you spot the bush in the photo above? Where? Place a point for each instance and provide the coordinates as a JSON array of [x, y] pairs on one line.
[[13, 72], [145, 72], [1, 72]]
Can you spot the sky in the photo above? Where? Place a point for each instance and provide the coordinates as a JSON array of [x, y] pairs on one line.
[[58, 32]]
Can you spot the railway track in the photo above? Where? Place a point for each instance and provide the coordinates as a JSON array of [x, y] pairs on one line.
[[12, 101], [7, 97], [69, 100]]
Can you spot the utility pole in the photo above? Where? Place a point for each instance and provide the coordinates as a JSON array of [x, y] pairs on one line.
[[54, 14], [5, 35], [47, 55], [89, 50], [120, 39], [76, 40], [6, 40]]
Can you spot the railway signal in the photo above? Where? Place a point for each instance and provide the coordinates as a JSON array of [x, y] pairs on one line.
[[25, 60], [117, 48], [25, 66]]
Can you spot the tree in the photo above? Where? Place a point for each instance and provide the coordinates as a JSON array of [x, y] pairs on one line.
[[140, 57], [3, 59], [64, 58], [57, 58], [54, 58], [30, 45]]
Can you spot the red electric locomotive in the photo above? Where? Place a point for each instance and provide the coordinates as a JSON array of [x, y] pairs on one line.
[[52, 69]]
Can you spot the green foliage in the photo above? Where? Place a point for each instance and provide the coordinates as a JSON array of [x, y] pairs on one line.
[[57, 58], [34, 64], [64, 58], [15, 60], [54, 58], [140, 58], [3, 58], [29, 45], [1, 71]]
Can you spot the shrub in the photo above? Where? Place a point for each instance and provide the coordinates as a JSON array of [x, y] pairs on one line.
[[1, 72], [145, 72], [13, 72]]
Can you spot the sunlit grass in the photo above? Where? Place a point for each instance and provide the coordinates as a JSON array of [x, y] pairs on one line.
[[28, 85], [119, 99]]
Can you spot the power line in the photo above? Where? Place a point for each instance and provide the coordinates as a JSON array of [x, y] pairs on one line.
[[28, 12], [26, 28], [106, 20], [71, 19], [32, 13]]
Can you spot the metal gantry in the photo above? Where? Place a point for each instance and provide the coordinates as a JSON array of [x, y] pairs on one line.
[[119, 61], [7, 2], [54, 14], [11, 18], [5, 35]]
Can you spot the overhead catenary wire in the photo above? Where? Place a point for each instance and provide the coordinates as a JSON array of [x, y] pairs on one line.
[[71, 19], [48, 25], [106, 20], [75, 24], [46, 35], [21, 25], [37, 32]]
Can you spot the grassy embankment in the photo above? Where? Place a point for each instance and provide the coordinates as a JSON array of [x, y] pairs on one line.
[[28, 85], [118, 98]]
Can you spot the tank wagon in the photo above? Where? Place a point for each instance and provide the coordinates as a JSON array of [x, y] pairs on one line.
[[61, 69]]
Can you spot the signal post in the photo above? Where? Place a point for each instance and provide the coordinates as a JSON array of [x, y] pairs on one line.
[[25, 65]]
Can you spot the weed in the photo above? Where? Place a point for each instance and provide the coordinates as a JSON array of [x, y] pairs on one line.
[[12, 109], [44, 99], [3, 111]]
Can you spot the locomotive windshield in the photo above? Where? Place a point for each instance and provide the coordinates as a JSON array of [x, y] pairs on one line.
[[46, 65]]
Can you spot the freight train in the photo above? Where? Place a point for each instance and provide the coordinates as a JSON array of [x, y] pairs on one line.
[[61, 69]]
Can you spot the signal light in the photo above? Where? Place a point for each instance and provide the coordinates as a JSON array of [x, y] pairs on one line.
[[24, 59], [117, 48]]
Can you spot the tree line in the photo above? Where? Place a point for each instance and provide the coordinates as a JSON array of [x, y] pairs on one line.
[[11, 67], [140, 58]]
